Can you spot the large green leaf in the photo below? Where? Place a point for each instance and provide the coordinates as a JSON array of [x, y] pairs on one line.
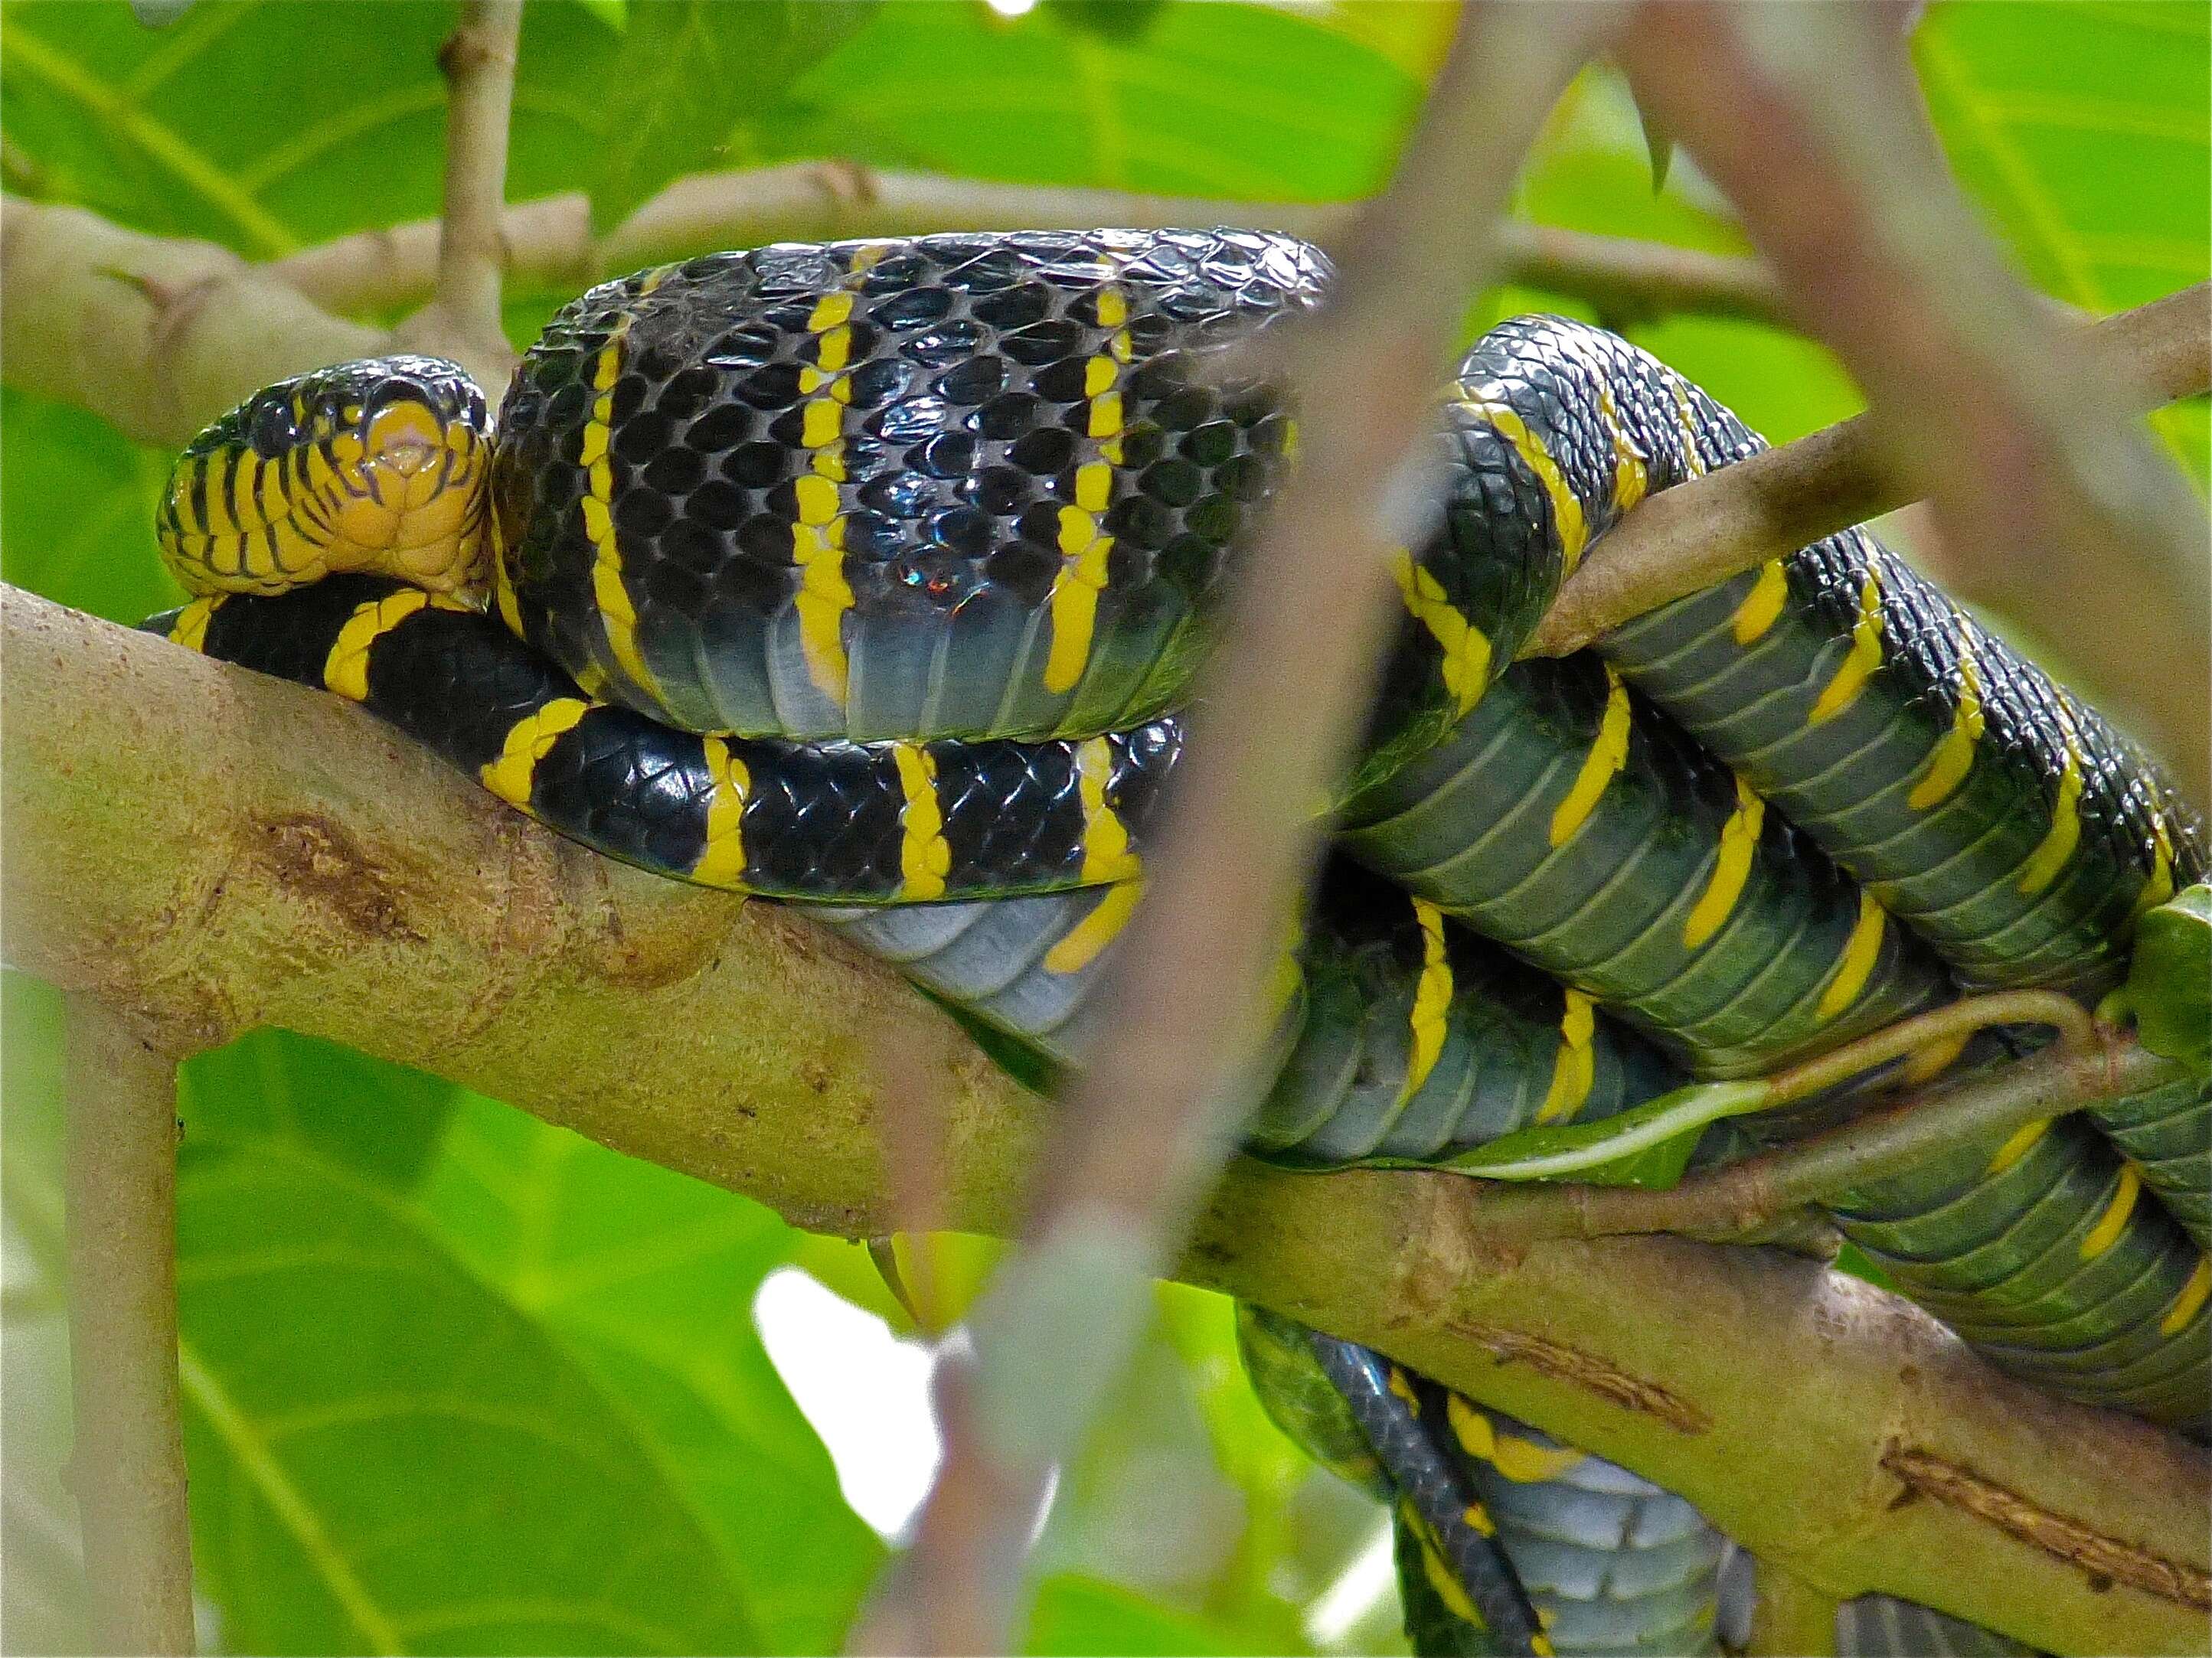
[[388, 1457], [648, 1279], [692, 84]]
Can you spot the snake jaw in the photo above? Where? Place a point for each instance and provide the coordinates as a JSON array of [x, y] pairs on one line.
[[377, 466]]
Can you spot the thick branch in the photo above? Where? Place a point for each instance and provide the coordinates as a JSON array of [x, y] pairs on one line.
[[549, 242], [129, 1466], [211, 852]]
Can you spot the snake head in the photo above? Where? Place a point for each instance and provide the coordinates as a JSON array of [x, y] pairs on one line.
[[377, 465]]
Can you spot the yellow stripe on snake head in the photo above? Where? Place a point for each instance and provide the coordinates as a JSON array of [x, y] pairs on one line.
[[190, 628], [722, 860], [528, 741], [1859, 661], [1432, 998], [1861, 951], [1731, 867], [345, 670], [1606, 756], [925, 855]]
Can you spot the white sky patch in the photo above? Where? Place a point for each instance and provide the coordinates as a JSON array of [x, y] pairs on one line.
[[1372, 1574], [1012, 8], [865, 1392]]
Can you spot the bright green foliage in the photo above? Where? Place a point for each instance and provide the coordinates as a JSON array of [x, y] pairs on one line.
[[457, 1380], [2169, 986]]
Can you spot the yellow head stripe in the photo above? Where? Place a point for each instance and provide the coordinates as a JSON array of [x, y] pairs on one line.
[[1432, 996], [1763, 604], [2191, 1298], [925, 855], [1465, 648], [528, 741], [1861, 950], [1574, 1067], [190, 628], [1731, 867], [2045, 863], [722, 863], [1859, 661], [2114, 1221], [1608, 754], [1953, 757], [345, 670], [1084, 941], [2021, 1143]]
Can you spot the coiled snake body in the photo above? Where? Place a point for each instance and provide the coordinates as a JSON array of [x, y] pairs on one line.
[[872, 573]]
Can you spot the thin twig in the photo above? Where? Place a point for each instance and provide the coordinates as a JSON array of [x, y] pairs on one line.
[[220, 851], [1151, 1122], [549, 243], [1873, 1146], [1710, 528], [462, 320], [1809, 117], [129, 1466]]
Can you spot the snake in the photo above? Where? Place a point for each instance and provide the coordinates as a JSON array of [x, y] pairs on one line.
[[875, 575]]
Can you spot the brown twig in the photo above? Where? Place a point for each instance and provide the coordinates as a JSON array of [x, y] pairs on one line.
[[1810, 119], [549, 242], [220, 851], [1711, 528], [1151, 1123], [462, 320], [129, 1466], [1873, 1146]]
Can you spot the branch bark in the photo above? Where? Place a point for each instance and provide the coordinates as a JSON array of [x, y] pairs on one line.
[[129, 1465], [211, 852], [462, 320], [548, 244]]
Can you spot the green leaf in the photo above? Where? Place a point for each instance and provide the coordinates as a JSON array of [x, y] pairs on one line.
[[1075, 1614], [645, 1279], [693, 75], [2169, 985], [387, 1455]]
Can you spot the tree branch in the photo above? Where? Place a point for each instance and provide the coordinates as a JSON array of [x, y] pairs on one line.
[[211, 852], [1701, 533], [462, 320], [129, 1466], [549, 243], [1809, 116]]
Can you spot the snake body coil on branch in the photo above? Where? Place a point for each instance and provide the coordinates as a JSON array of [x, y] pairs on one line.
[[872, 574]]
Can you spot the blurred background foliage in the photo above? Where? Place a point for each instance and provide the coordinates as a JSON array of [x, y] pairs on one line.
[[457, 1380]]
